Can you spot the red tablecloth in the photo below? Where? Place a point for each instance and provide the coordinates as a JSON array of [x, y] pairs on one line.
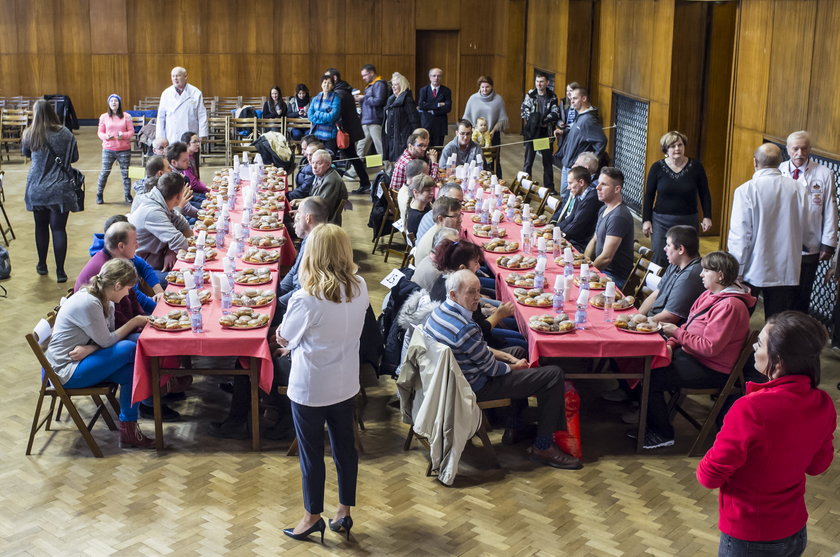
[[214, 341], [600, 339]]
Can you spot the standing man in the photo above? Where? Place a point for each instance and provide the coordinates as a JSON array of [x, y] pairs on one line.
[[372, 103], [434, 103], [585, 134], [540, 112], [464, 148], [181, 109], [349, 122], [819, 227], [612, 246], [765, 231]]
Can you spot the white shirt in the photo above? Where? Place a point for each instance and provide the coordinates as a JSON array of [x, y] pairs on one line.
[[818, 193], [181, 113], [765, 229], [324, 339]]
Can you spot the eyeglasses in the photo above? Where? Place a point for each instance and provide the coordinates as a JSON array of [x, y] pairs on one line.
[[455, 216], [421, 145]]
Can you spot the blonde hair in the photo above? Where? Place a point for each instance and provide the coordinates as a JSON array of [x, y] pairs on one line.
[[402, 80], [327, 270], [114, 272], [670, 138]]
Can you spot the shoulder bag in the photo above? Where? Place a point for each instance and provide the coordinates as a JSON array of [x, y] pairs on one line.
[[77, 179]]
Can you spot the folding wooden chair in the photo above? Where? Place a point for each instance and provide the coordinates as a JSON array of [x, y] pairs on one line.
[[514, 187], [336, 216], [12, 123], [217, 146], [51, 387], [243, 132], [296, 124], [397, 224], [541, 195], [637, 275], [271, 125], [734, 385], [552, 204], [387, 217], [6, 230]]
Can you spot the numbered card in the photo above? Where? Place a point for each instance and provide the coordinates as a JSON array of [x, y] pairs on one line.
[[399, 225], [392, 279]]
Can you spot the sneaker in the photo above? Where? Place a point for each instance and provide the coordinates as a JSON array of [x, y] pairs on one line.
[[655, 441], [167, 413], [616, 395]]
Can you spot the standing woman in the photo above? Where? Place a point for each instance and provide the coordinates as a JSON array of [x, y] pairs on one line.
[[321, 328], [85, 349], [491, 106], [401, 117], [676, 182], [298, 107], [115, 131], [773, 436], [275, 106], [324, 111], [49, 192]]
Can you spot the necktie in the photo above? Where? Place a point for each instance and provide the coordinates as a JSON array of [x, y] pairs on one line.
[[434, 93], [796, 174]]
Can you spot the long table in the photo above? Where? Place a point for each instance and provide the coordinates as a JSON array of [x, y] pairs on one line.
[[599, 339], [155, 346]]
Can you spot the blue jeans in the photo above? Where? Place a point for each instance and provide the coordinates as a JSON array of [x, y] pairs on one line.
[[792, 546], [619, 282], [115, 364]]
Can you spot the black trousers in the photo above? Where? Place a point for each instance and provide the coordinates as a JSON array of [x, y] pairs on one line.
[[776, 298], [309, 428], [683, 371], [807, 276], [547, 161], [546, 383]]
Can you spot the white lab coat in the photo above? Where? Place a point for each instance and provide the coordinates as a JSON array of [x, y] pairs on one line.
[[820, 215], [182, 113], [765, 229]]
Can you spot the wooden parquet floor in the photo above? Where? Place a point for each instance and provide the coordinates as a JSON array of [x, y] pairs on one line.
[[207, 497]]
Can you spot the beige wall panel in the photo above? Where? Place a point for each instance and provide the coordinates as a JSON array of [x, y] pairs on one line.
[[10, 70], [438, 15], [291, 28], [398, 31], [109, 74], [364, 27], [751, 68], [327, 26], [71, 22], [824, 101], [35, 26], [108, 27]]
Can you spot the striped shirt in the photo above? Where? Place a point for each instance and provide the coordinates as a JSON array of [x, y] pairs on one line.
[[452, 325]]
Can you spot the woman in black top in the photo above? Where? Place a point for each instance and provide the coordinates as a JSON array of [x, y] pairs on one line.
[[422, 189], [401, 118], [275, 106], [673, 186], [298, 105]]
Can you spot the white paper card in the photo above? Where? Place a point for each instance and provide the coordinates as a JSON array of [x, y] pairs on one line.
[[392, 279]]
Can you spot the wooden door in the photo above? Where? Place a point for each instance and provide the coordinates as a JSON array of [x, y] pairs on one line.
[[438, 49]]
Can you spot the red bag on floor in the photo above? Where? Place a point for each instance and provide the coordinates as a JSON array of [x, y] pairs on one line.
[[569, 440]]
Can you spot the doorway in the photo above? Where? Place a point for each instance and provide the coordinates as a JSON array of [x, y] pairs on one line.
[[438, 49]]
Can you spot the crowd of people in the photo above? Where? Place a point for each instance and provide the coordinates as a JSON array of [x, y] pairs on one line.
[[783, 222]]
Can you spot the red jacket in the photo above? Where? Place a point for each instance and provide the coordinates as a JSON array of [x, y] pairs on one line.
[[716, 337], [770, 439]]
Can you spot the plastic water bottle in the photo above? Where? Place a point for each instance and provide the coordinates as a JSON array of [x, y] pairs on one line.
[[485, 211], [569, 266], [557, 239], [584, 278], [539, 274], [510, 207], [609, 299], [227, 301], [220, 237], [541, 246], [558, 300], [580, 313], [194, 303], [198, 268], [526, 237]]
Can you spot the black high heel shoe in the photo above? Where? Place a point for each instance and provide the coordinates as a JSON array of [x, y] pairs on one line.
[[319, 526], [345, 522]]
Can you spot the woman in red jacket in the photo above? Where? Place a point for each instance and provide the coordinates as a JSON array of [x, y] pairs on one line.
[[703, 349], [773, 436]]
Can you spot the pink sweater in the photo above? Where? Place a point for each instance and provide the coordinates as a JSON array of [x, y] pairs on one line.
[[112, 126], [770, 439]]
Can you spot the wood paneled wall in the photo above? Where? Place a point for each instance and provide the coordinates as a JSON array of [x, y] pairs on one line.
[[91, 48], [786, 77]]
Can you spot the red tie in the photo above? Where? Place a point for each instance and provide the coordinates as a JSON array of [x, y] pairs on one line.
[[434, 93], [796, 174]]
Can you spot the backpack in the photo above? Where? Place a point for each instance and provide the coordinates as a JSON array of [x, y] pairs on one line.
[[5, 264]]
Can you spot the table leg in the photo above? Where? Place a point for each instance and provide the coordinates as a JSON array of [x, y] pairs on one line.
[[643, 406], [254, 373], [156, 403]]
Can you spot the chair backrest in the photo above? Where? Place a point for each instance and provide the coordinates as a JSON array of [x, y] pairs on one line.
[[552, 203], [38, 340], [300, 123], [272, 124], [636, 278], [336, 216]]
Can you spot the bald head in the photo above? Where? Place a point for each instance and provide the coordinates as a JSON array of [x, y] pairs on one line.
[[767, 155]]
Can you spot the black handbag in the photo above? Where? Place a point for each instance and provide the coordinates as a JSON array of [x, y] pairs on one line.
[[77, 179]]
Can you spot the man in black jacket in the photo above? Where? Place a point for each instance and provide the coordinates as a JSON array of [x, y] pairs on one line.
[[585, 134], [434, 103], [539, 111], [352, 124], [577, 217]]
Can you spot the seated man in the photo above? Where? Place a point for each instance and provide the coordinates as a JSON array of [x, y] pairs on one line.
[[681, 285], [450, 189], [494, 374], [305, 176], [446, 212], [155, 166], [578, 216], [159, 146], [464, 148], [328, 184], [416, 146], [612, 246], [161, 231], [179, 160], [121, 242]]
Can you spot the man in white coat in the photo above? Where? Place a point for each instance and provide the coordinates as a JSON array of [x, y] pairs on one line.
[[820, 212], [181, 109], [765, 231]]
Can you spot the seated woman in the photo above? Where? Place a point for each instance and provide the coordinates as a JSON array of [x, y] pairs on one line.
[[275, 106], [298, 107], [704, 348], [773, 436], [193, 142], [451, 256], [321, 328], [85, 349], [422, 191]]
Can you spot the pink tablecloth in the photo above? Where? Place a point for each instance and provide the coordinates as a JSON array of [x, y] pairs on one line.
[[600, 339]]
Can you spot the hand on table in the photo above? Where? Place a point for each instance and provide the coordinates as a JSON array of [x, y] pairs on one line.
[[157, 297], [82, 351], [138, 322], [169, 260]]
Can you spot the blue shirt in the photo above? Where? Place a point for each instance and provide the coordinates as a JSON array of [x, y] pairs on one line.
[[144, 271], [452, 325]]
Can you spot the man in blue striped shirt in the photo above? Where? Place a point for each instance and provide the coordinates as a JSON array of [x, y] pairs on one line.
[[494, 374]]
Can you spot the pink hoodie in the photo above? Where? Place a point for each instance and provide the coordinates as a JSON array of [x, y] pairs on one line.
[[113, 126]]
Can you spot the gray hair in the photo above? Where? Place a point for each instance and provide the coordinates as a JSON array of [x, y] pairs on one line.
[[455, 281], [158, 143], [801, 134], [179, 70], [117, 234], [416, 167], [448, 187], [768, 155], [321, 154], [444, 233], [589, 160]]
